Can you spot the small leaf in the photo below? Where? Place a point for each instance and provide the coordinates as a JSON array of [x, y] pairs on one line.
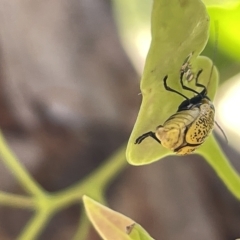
[[108, 223], [136, 232]]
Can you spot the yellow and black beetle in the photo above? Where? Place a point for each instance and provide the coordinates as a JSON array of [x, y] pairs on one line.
[[188, 128]]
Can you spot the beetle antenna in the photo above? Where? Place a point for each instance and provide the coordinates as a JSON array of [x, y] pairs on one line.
[[223, 133]]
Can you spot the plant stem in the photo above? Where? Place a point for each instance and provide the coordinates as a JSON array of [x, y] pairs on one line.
[[35, 226], [83, 229], [18, 170], [94, 184], [14, 200], [215, 157]]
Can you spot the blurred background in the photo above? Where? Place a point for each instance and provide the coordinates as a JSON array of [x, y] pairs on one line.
[[69, 85]]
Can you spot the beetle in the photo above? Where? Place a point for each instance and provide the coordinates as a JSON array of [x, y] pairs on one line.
[[188, 128]]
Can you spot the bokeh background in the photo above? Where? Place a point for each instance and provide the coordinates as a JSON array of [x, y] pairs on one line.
[[69, 96]]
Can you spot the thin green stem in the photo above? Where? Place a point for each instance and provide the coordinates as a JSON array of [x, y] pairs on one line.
[[47, 204], [18, 170], [215, 157], [14, 200], [35, 225], [83, 229], [94, 184]]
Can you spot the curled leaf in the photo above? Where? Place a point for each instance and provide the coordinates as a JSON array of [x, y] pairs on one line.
[[179, 29]]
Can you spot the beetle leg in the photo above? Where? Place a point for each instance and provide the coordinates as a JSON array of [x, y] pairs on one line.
[[185, 87], [145, 135], [204, 92], [170, 89]]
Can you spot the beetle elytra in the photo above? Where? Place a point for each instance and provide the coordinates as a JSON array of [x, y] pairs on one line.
[[188, 128]]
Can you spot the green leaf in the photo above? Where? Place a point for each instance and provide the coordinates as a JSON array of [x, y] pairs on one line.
[[108, 223], [221, 3], [178, 29], [229, 35], [136, 232]]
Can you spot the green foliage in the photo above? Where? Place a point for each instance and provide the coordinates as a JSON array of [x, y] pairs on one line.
[[173, 39], [176, 32], [44, 204], [229, 34], [178, 29], [136, 232], [113, 225], [133, 18], [221, 3]]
